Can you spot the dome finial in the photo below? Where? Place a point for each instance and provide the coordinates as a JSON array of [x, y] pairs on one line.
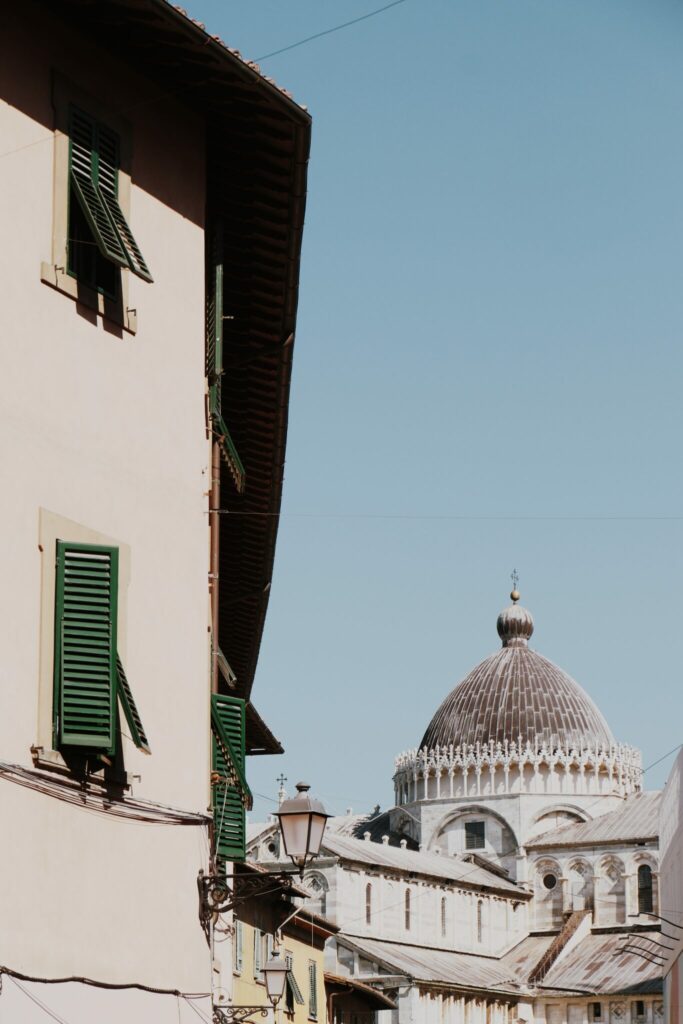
[[515, 595], [515, 624]]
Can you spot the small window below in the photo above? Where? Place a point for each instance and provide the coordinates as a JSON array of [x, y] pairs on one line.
[[407, 910], [595, 1011], [443, 917], [475, 835], [550, 881], [639, 1010], [645, 902], [368, 904]]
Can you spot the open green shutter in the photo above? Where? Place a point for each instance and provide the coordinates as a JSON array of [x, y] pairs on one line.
[[229, 452], [86, 592], [108, 187], [137, 729], [83, 174], [294, 987], [214, 354], [230, 793], [214, 316]]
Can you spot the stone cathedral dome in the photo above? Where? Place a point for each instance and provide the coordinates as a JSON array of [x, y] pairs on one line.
[[518, 695]]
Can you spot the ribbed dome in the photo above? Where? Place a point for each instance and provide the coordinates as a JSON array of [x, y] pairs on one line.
[[517, 693]]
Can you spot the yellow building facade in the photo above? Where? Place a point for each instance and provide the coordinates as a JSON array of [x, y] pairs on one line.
[[301, 942]]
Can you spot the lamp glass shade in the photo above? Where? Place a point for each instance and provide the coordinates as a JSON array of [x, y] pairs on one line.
[[316, 834], [302, 824], [294, 828], [275, 974]]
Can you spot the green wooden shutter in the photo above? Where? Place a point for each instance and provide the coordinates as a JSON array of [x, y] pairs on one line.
[[230, 793], [238, 961], [86, 593], [214, 355], [137, 729], [292, 983], [312, 990], [83, 174], [214, 317], [108, 187], [258, 946]]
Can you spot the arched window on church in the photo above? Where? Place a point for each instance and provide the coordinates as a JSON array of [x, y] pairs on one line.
[[368, 904], [407, 910], [645, 904], [443, 917], [480, 919]]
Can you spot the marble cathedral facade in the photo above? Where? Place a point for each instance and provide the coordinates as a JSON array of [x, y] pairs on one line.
[[516, 876]]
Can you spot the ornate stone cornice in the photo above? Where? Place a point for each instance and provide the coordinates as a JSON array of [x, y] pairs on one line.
[[622, 762]]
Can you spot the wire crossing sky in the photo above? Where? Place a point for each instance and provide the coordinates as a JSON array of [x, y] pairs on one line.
[[487, 370], [329, 31]]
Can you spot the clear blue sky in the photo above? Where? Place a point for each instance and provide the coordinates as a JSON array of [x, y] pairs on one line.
[[490, 325]]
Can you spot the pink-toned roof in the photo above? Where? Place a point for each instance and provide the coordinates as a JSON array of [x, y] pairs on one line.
[[636, 820], [596, 966], [459, 970]]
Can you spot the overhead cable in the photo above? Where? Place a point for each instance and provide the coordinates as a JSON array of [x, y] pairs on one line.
[[329, 31]]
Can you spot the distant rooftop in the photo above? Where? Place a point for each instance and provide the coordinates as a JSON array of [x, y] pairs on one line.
[[636, 819], [431, 865]]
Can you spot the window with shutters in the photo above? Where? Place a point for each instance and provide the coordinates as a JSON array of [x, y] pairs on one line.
[[89, 682], [292, 991], [100, 240], [258, 955], [312, 990], [94, 254], [238, 948], [231, 796], [214, 355]]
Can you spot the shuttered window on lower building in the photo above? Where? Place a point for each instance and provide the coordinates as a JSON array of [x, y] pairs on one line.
[[94, 163], [88, 673], [312, 990], [293, 992], [231, 795]]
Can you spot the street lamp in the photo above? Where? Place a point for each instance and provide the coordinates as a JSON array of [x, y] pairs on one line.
[[302, 823], [275, 972]]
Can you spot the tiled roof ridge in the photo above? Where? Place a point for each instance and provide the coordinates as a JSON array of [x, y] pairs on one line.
[[251, 64]]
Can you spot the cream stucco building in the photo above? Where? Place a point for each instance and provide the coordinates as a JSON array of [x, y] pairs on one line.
[[516, 876], [148, 175]]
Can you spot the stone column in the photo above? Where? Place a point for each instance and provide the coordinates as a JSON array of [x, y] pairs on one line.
[[597, 913], [566, 895]]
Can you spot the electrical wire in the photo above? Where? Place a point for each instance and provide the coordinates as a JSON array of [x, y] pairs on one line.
[[447, 517], [38, 1002], [329, 31], [17, 976], [73, 793]]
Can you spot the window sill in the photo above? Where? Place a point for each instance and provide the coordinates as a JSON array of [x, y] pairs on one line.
[[56, 277], [52, 761]]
